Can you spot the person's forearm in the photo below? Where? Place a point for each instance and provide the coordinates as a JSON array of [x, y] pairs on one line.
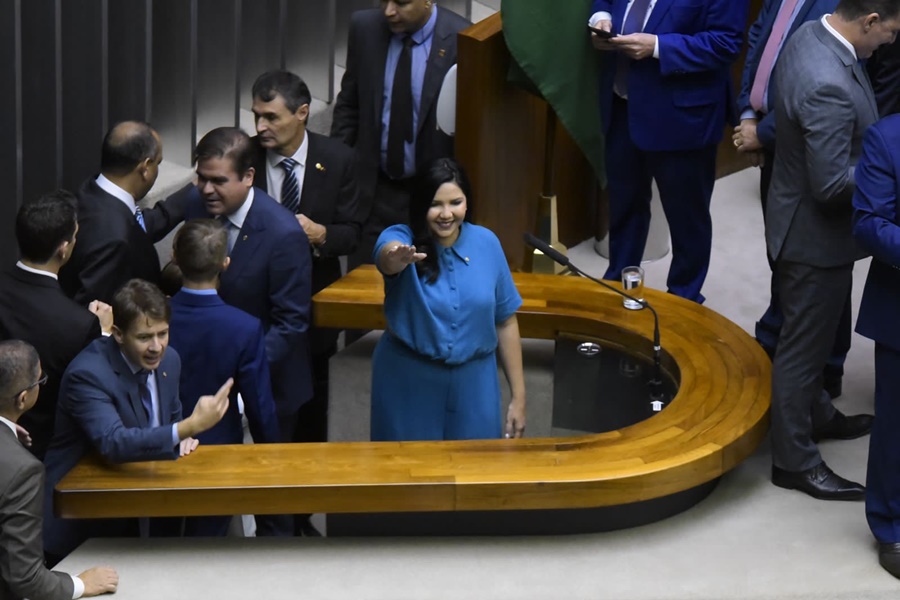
[[510, 345]]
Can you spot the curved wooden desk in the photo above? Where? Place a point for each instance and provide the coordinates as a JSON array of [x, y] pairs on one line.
[[716, 420]]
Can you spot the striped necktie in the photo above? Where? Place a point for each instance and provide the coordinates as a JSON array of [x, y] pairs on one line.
[[139, 217], [634, 23], [290, 189]]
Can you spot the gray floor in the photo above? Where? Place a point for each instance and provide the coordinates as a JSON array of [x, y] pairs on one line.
[[747, 540]]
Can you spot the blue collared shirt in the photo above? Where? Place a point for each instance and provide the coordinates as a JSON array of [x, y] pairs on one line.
[[420, 53], [454, 319]]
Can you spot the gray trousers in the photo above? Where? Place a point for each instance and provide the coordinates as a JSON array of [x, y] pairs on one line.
[[812, 299]]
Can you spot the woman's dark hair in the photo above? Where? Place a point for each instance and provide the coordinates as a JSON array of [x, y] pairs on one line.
[[429, 179]]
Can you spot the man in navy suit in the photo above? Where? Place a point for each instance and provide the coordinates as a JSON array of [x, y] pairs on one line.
[[755, 137], [665, 98], [877, 229], [119, 397], [269, 274], [217, 341]]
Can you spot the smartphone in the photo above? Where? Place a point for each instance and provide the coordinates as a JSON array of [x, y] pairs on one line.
[[602, 33]]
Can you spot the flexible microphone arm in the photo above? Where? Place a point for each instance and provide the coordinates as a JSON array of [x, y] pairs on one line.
[[563, 260]]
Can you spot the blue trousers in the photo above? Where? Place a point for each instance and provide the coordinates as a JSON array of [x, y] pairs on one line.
[[685, 180], [416, 398], [883, 478]]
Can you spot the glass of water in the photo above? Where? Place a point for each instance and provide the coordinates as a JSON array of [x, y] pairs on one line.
[[633, 284]]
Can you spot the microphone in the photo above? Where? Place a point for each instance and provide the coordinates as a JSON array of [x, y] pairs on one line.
[[561, 259]]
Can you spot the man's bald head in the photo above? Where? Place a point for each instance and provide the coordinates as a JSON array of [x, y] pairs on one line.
[[131, 155], [126, 145]]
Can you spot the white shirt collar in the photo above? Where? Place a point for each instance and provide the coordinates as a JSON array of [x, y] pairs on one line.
[[237, 217], [11, 425], [36, 271], [839, 37], [112, 189], [299, 156]]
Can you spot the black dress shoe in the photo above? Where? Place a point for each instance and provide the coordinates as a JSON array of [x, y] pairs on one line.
[[842, 427], [889, 558], [819, 482]]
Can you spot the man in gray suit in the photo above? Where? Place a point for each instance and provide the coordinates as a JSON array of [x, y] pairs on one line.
[[824, 107], [22, 570]]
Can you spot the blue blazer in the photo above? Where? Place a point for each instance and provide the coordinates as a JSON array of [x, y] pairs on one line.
[[757, 37], [877, 229], [270, 278], [217, 341], [99, 409], [683, 100]]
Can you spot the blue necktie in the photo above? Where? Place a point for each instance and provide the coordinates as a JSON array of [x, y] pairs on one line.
[[146, 398], [634, 23], [139, 217], [290, 189]]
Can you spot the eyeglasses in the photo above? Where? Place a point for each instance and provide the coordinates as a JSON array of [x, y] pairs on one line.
[[37, 383]]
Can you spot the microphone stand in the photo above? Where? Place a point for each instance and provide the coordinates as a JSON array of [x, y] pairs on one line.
[[561, 259]]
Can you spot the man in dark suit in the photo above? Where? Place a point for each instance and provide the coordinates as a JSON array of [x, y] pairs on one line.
[[877, 230], [116, 236], [22, 570], [397, 57], [665, 99], [323, 192], [217, 341], [119, 397], [755, 137], [34, 309], [825, 104], [269, 275]]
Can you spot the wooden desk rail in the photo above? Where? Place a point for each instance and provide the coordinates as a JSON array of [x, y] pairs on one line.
[[716, 420]]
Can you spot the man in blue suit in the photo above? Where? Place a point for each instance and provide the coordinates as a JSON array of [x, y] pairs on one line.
[[217, 341], [877, 229], [755, 137], [119, 397], [270, 273], [270, 270], [665, 98]]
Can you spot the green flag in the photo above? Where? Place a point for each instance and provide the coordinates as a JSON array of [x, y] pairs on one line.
[[550, 42]]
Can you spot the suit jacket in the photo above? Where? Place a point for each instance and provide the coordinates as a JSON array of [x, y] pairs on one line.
[[884, 71], [330, 197], [217, 341], [100, 410], [877, 229], [359, 104], [683, 100], [824, 106], [22, 570], [112, 248], [269, 277], [34, 309], [757, 38]]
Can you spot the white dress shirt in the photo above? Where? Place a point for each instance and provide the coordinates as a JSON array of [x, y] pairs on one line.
[[275, 172], [112, 189]]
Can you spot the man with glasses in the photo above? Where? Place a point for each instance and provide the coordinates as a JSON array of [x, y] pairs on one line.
[[22, 572]]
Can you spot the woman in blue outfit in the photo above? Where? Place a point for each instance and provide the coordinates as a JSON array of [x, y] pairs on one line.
[[450, 303]]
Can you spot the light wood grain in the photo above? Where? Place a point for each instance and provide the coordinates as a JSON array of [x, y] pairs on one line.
[[716, 420]]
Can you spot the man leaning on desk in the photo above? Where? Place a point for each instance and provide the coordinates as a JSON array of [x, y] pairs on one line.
[[22, 570], [119, 397]]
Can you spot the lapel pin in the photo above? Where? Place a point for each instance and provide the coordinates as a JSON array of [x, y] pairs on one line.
[[165, 374], [244, 238], [320, 167], [442, 52]]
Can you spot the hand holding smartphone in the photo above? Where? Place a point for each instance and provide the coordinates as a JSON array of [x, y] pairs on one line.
[[602, 33]]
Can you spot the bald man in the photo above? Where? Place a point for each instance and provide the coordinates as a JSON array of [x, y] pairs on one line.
[[116, 237]]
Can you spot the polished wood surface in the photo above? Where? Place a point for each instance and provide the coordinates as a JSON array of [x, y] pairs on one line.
[[500, 141], [716, 420]]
